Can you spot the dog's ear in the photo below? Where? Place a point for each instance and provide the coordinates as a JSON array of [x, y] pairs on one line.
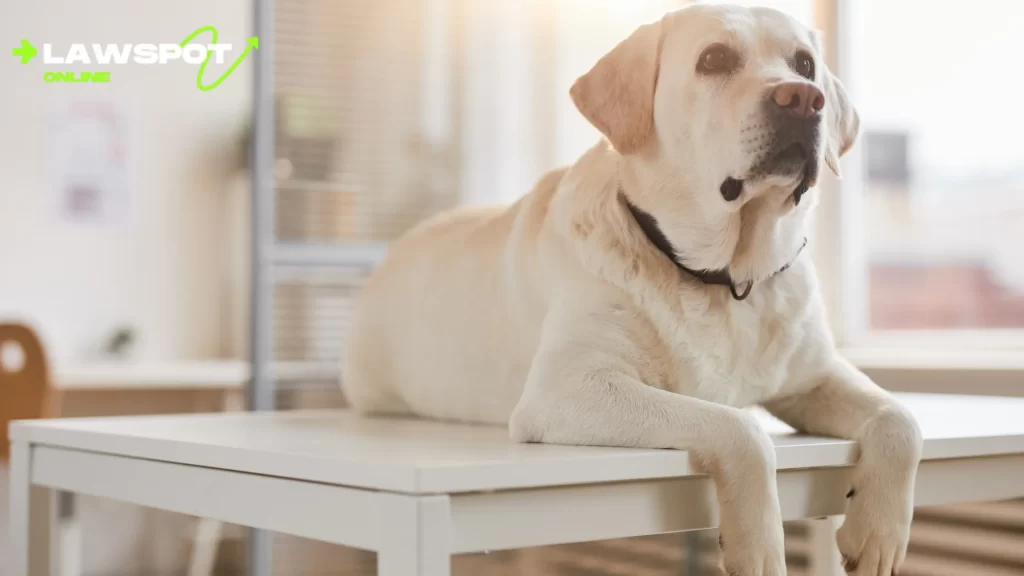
[[617, 94], [843, 122]]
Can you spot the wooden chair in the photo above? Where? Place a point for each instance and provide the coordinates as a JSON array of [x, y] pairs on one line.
[[25, 390], [26, 393]]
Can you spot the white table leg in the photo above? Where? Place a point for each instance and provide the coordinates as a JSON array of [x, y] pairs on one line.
[[824, 557], [31, 510], [68, 551], [419, 537], [204, 547], [206, 539]]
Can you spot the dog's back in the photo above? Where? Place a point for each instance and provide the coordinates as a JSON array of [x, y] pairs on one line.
[[442, 327]]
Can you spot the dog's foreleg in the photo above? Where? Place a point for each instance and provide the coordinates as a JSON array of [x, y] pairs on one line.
[[580, 395], [873, 539]]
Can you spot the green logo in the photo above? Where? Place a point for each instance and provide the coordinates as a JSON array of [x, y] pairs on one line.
[[26, 52], [188, 51], [252, 44]]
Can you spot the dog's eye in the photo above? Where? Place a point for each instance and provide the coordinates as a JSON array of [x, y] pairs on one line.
[[803, 64], [718, 59]]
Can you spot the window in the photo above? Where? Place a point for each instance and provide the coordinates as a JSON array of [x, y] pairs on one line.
[[942, 170]]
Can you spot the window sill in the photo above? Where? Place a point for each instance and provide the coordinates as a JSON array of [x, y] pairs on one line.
[[944, 371]]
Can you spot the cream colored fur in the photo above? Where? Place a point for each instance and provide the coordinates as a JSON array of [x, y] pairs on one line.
[[558, 318]]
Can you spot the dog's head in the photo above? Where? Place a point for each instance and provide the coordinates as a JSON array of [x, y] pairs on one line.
[[723, 117]]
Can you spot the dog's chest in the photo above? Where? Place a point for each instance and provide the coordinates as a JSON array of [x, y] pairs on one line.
[[737, 354]]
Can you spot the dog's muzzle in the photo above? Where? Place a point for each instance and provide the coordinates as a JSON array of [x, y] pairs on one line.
[[793, 112]]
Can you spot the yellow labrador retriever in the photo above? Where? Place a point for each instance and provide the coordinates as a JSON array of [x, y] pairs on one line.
[[644, 295]]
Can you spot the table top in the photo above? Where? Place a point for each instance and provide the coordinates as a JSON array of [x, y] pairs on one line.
[[419, 456]]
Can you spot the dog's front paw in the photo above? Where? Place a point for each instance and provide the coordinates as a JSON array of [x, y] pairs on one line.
[[873, 539], [880, 503]]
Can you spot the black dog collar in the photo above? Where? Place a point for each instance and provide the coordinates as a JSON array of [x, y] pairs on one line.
[[721, 277]]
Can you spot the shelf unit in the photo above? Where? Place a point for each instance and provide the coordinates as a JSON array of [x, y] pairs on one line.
[[345, 155]]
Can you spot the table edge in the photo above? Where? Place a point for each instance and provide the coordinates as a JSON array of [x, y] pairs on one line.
[[416, 478]]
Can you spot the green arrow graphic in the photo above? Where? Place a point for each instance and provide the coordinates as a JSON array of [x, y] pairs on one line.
[[253, 44], [26, 52]]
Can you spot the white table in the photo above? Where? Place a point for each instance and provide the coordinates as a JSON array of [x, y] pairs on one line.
[[226, 378], [418, 491]]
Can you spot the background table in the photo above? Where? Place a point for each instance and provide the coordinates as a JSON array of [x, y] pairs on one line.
[[224, 374], [418, 491]]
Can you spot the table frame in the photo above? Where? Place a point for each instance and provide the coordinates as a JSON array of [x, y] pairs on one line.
[[416, 534]]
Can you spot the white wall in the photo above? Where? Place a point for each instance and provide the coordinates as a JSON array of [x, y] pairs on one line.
[[157, 269]]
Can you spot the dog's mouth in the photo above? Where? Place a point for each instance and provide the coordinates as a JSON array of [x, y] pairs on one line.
[[790, 161], [794, 160], [787, 162]]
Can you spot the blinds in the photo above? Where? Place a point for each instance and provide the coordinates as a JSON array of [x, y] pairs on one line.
[[354, 163], [977, 539], [389, 112]]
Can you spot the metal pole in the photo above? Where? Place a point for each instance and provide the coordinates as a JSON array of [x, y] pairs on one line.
[[260, 394]]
